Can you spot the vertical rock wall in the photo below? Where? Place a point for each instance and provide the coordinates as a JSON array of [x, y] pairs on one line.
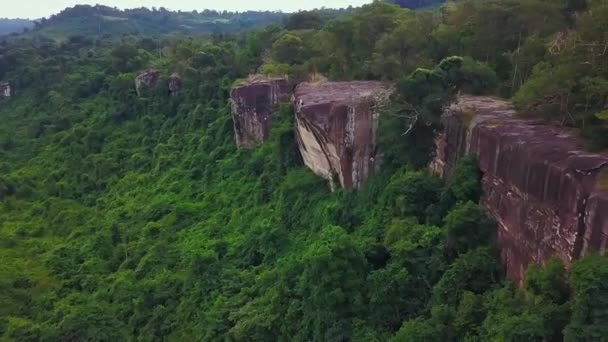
[[336, 124], [548, 195], [252, 104]]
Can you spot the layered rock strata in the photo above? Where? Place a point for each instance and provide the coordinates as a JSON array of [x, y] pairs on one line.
[[336, 124], [548, 195]]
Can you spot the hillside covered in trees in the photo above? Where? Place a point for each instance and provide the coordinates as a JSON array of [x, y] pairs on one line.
[[102, 20], [133, 216], [8, 26]]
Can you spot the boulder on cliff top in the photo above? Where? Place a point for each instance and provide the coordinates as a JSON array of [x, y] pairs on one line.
[[253, 102], [336, 124]]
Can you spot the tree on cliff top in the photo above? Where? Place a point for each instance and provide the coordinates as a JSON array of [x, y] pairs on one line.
[[407, 126]]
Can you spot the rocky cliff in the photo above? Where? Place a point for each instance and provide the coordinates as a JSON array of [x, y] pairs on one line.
[[336, 125], [548, 195], [252, 104]]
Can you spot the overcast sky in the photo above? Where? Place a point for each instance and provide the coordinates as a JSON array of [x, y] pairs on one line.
[[34, 9]]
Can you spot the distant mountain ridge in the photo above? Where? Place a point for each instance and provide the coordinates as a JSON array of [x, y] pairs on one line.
[[99, 20], [8, 26]]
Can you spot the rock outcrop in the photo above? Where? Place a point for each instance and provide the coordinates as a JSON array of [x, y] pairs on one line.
[[148, 79], [548, 195], [336, 125], [175, 84], [5, 90], [253, 102]]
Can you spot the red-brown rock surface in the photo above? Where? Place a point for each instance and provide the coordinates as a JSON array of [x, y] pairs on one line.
[[336, 125], [548, 195], [253, 102]]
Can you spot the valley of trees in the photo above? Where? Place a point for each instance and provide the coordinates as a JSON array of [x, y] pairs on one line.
[[135, 217]]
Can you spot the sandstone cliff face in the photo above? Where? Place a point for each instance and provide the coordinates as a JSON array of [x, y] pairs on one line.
[[252, 106], [549, 196], [336, 125]]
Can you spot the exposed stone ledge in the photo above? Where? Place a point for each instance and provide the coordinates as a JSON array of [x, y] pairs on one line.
[[336, 124], [548, 195]]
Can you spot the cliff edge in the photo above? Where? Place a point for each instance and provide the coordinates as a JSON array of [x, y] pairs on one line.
[[548, 195], [336, 124]]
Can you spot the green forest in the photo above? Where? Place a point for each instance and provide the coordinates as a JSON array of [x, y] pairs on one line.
[[134, 217]]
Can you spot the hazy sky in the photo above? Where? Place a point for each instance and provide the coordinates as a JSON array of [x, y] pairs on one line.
[[43, 8]]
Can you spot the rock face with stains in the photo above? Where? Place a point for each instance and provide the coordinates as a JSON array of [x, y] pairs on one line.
[[5, 90], [336, 124], [147, 79], [548, 195], [253, 102]]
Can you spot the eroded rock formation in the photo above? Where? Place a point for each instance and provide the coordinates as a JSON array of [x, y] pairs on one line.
[[5, 90], [147, 79], [253, 102], [175, 84], [548, 195], [336, 125]]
